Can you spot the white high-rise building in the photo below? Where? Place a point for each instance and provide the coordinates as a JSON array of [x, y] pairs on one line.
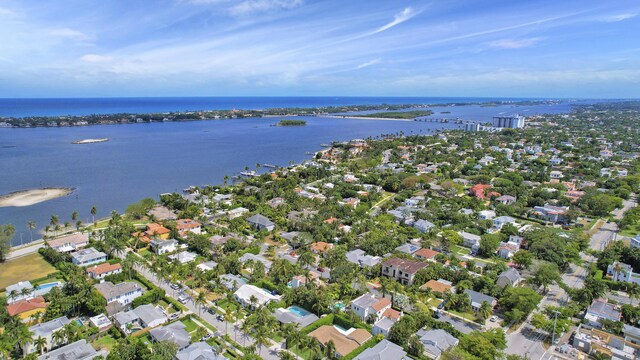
[[513, 122]]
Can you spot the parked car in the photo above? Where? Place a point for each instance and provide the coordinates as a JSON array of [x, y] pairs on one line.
[[220, 318], [206, 337], [494, 318], [174, 286], [183, 298]]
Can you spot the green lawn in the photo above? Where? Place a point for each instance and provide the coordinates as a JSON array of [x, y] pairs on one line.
[[106, 342], [631, 231], [303, 353], [28, 267], [190, 325], [434, 302], [466, 315]]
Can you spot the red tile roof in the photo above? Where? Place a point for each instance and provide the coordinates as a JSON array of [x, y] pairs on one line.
[[426, 253], [26, 305]]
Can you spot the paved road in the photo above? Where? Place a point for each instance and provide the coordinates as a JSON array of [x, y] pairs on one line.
[[20, 251]]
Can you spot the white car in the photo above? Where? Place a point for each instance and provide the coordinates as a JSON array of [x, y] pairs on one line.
[[493, 318], [183, 298]]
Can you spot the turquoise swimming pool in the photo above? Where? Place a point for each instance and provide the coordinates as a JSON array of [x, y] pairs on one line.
[[298, 311], [47, 285]]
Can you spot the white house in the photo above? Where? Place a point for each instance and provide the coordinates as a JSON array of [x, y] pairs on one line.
[[623, 272], [501, 221], [89, 256], [246, 293], [469, 240], [124, 292], [44, 330], [237, 212], [161, 247], [368, 305], [183, 257], [69, 243], [486, 214]]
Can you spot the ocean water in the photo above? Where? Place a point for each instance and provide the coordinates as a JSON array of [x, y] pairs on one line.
[[144, 160]]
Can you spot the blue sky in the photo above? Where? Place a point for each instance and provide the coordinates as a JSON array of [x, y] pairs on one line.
[[532, 48]]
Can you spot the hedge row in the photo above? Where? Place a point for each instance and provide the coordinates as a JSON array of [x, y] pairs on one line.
[[327, 320]]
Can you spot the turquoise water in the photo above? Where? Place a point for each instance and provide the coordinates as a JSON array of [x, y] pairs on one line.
[[340, 328], [47, 286], [298, 311]]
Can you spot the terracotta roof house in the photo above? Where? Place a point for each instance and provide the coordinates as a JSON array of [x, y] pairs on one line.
[[321, 247], [100, 271], [157, 230], [344, 342], [479, 191], [402, 270], [426, 254], [24, 309], [437, 286], [186, 226]]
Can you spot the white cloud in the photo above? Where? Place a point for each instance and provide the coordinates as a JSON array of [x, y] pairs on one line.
[[248, 7], [68, 33], [95, 58], [398, 19], [514, 43], [367, 64], [619, 17], [6, 12]]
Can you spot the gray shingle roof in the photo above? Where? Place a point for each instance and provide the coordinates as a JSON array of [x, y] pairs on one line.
[[47, 328], [199, 351], [384, 350], [78, 350], [174, 333], [260, 220], [436, 341], [478, 298]]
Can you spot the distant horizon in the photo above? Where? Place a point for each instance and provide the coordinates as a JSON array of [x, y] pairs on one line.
[[542, 98]]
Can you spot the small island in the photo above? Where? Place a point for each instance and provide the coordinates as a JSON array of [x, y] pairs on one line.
[[291, 123], [32, 197], [90, 141], [396, 114]]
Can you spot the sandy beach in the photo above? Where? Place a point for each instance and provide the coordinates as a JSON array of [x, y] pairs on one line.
[[31, 197]]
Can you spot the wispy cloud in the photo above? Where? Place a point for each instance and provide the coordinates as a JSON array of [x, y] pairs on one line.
[[68, 33], [398, 19], [4, 12], [619, 17], [368, 63], [95, 58], [249, 7], [514, 43]]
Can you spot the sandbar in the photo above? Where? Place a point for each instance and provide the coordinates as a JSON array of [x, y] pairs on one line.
[[31, 197]]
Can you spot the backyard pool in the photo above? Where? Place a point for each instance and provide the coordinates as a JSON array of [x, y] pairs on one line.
[[298, 311], [47, 286]]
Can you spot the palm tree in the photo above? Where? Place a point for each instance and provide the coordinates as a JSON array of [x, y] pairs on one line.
[[633, 291], [253, 300], [291, 334], [306, 258], [57, 337], [485, 310], [329, 349], [40, 343], [201, 300], [94, 211], [228, 316], [31, 225], [261, 335], [74, 216], [54, 222]]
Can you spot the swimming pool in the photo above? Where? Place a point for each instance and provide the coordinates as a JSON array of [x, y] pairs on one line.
[[298, 311], [47, 285]]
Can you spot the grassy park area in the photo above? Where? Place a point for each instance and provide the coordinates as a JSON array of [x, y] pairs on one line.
[[28, 267]]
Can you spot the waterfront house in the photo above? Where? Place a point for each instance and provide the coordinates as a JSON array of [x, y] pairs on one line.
[[89, 256], [368, 305], [478, 298], [44, 330], [99, 272], [124, 292], [403, 270], [259, 222], [509, 277], [246, 293], [384, 350], [161, 247], [173, 333], [69, 243]]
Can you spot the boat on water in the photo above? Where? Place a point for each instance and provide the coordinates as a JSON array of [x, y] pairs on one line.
[[90, 141], [269, 166], [249, 173]]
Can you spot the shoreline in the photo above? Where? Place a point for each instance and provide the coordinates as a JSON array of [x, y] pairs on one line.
[[351, 117], [30, 197]]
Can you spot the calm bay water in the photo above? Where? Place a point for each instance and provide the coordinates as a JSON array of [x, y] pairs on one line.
[[144, 160]]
